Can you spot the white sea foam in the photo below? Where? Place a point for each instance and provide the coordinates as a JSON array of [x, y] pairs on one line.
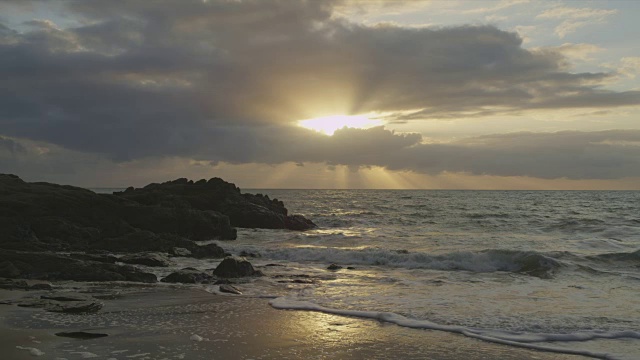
[[523, 340], [463, 260], [195, 337], [85, 354], [33, 351], [528, 262]]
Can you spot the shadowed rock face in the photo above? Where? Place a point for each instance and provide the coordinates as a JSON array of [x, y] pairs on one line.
[[188, 276], [38, 219], [234, 267], [243, 210], [43, 216], [50, 266]]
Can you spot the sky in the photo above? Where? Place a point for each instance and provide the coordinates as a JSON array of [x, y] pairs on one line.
[[511, 94]]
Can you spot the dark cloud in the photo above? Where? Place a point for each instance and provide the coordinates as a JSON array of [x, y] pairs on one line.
[[224, 81], [570, 154], [609, 154]]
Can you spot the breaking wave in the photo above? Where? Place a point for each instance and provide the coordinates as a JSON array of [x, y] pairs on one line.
[[525, 340], [523, 262], [618, 257]]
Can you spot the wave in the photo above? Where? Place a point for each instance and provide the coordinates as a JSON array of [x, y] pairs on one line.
[[523, 340], [572, 225], [618, 257], [523, 262]]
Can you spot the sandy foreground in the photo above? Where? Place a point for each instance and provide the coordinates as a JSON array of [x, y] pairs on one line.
[[184, 323]]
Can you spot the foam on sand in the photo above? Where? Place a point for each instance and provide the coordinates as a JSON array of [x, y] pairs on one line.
[[522, 340], [33, 351]]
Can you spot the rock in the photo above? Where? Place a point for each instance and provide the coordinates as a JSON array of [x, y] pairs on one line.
[[298, 222], [248, 254], [62, 302], [233, 267], [148, 259], [66, 296], [207, 251], [8, 270], [177, 251], [80, 334], [9, 284], [49, 217], [41, 286], [187, 276], [297, 281], [109, 259], [76, 307], [51, 266], [350, 268], [334, 267], [226, 288], [276, 265], [243, 210]]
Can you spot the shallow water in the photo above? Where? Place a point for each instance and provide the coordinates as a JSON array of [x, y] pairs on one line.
[[554, 270], [551, 269]]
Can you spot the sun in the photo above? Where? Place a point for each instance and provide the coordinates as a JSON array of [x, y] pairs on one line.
[[329, 124]]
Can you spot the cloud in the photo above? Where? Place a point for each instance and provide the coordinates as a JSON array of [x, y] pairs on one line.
[[225, 81], [502, 5], [575, 18], [578, 52], [630, 66], [612, 154]]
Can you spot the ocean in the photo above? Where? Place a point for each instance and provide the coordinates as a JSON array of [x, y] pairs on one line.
[[549, 270]]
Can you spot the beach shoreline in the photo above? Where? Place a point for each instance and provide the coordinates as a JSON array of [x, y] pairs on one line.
[[173, 322]]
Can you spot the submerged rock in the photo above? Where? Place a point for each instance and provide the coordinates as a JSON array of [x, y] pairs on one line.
[[334, 267], [80, 334], [41, 286], [62, 302], [234, 267], [187, 276], [66, 296], [75, 307], [148, 259], [9, 284], [180, 252], [207, 251]]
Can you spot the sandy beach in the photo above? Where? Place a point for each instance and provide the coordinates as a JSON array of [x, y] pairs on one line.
[[182, 323]]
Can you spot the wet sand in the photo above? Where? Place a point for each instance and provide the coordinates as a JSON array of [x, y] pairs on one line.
[[185, 323]]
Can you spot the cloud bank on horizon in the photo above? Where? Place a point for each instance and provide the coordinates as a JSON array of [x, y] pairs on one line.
[[88, 86]]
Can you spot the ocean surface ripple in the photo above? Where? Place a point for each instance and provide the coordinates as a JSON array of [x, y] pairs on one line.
[[549, 270]]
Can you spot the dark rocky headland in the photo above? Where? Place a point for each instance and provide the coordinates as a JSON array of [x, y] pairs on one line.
[[61, 232]]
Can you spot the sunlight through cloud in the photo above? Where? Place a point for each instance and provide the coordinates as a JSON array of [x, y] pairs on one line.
[[329, 124]]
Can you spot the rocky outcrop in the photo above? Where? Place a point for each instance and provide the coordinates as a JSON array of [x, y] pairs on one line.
[[51, 266], [234, 267], [243, 210], [43, 216], [39, 220]]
